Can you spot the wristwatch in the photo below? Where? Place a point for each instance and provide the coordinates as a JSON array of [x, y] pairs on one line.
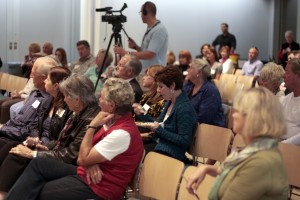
[[93, 127]]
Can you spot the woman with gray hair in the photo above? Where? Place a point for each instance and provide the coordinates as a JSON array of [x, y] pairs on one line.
[[79, 96], [271, 77], [107, 158], [203, 94]]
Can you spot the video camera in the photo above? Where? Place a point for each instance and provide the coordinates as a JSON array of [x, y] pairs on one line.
[[110, 17]]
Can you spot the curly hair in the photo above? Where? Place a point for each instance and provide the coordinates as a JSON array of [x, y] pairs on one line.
[[121, 93]]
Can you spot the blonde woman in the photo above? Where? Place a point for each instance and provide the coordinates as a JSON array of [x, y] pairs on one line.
[[257, 170]]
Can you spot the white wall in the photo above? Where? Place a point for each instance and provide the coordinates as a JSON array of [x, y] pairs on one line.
[[194, 22]]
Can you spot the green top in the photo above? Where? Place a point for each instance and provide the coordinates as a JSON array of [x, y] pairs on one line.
[[92, 74], [261, 176]]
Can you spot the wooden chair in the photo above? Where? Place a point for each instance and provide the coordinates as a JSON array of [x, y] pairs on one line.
[[247, 81], [238, 72], [225, 78], [133, 186], [230, 89], [20, 83], [203, 189], [211, 142], [219, 85], [160, 176], [290, 155], [4, 81]]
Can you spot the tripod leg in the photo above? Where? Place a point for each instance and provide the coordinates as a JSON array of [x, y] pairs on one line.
[[104, 60]]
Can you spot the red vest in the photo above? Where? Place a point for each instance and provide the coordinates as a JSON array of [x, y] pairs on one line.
[[117, 173]]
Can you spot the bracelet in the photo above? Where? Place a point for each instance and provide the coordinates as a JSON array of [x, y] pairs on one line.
[[93, 127]]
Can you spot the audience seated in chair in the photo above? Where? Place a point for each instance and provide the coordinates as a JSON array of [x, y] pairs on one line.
[[51, 122], [291, 102], [22, 126], [175, 127], [128, 68], [93, 72], [271, 77], [152, 104], [253, 66], [107, 158], [86, 59], [67, 141], [259, 119]]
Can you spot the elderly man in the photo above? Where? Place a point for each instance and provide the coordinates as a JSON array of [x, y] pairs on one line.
[[225, 39], [287, 47], [128, 68], [25, 123], [155, 41], [291, 103], [253, 66], [86, 59], [48, 48]]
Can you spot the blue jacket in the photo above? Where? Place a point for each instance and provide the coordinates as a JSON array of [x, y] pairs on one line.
[[176, 134], [207, 103]]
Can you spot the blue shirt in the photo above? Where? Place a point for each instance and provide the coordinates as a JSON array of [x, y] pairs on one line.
[[207, 103], [252, 68], [155, 40], [25, 123]]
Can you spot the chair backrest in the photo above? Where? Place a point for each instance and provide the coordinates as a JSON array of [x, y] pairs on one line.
[[230, 89], [238, 72], [160, 176], [4, 81], [225, 78], [237, 142], [134, 181], [20, 83], [219, 85], [203, 189], [290, 155], [247, 81], [211, 142]]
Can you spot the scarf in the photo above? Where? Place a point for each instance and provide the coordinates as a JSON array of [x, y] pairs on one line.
[[238, 156]]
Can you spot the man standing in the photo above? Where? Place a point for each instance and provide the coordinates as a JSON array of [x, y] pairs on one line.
[[86, 59], [155, 41], [253, 66], [225, 39], [128, 68], [291, 103]]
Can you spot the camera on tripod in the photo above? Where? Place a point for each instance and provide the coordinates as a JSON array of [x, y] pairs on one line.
[[110, 17]]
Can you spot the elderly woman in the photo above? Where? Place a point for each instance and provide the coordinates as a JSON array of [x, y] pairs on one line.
[[271, 77], [152, 103], [107, 158], [84, 105], [175, 127], [256, 171], [203, 94]]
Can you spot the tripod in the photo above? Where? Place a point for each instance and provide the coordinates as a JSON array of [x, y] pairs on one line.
[[118, 41]]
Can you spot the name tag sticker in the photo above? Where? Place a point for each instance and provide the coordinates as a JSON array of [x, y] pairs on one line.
[[60, 112], [146, 107], [36, 104]]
